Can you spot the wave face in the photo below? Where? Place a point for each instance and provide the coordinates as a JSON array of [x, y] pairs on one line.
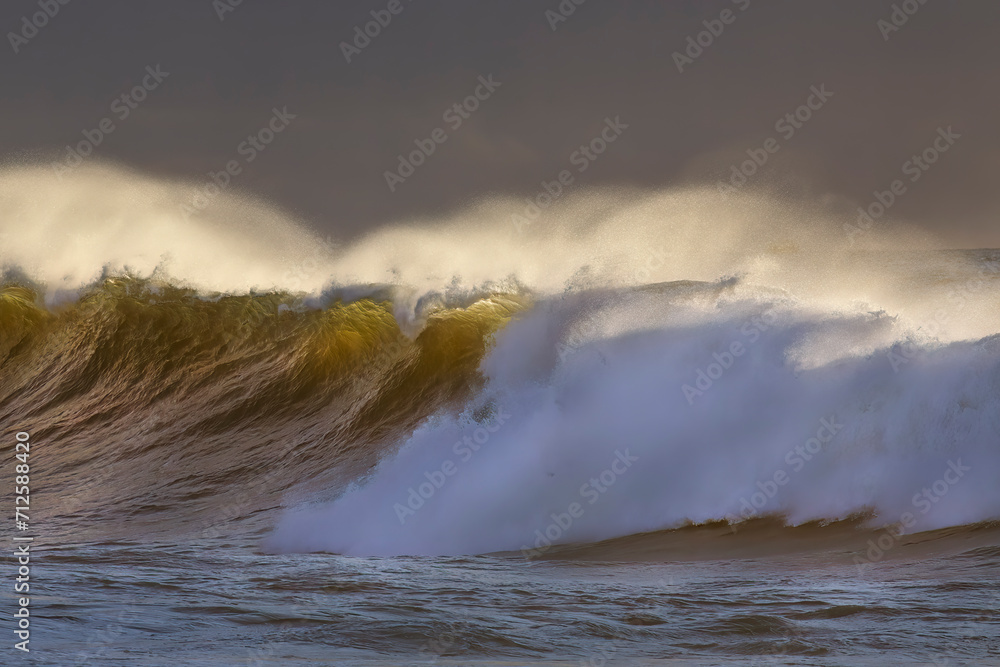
[[163, 404], [464, 388]]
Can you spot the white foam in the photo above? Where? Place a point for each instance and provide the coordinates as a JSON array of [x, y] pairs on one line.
[[618, 388]]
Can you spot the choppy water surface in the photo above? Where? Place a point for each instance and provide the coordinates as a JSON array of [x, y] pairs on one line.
[[131, 604]]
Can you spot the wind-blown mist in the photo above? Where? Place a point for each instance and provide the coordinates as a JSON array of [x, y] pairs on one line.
[[656, 358]]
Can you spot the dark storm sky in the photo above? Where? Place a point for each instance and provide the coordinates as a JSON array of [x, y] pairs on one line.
[[607, 59]]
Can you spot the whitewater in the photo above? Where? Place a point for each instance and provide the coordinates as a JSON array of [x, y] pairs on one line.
[[642, 381]]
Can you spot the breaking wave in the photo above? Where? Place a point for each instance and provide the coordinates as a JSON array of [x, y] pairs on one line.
[[629, 362]]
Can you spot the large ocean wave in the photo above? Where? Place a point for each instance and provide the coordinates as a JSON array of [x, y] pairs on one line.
[[628, 362]]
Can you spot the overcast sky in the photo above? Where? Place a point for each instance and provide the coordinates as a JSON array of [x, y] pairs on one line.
[[891, 92]]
